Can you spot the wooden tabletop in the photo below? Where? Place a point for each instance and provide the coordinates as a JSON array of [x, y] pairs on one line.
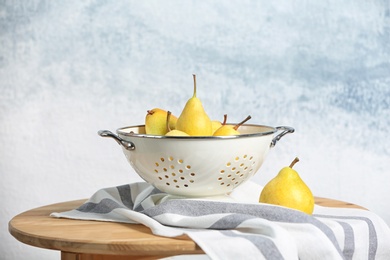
[[96, 240]]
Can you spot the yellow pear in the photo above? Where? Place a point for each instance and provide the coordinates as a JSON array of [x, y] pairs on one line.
[[155, 122], [230, 129], [288, 189], [193, 120], [173, 132], [215, 124], [176, 133]]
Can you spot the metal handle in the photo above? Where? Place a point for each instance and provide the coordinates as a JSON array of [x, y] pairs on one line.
[[126, 144], [285, 130]]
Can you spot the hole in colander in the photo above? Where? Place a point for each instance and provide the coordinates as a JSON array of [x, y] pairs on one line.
[[239, 167], [165, 169], [192, 174], [180, 161], [174, 180], [182, 178], [172, 167], [177, 186], [173, 174], [185, 185], [166, 176], [188, 167], [192, 181], [170, 158], [162, 159], [155, 170], [168, 183], [157, 164]]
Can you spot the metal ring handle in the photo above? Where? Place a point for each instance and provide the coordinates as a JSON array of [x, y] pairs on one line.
[[126, 144], [285, 130]]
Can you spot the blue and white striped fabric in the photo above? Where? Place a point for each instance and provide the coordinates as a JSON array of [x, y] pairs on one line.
[[237, 227]]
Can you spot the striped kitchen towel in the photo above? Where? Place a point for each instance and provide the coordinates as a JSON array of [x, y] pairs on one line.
[[238, 227]]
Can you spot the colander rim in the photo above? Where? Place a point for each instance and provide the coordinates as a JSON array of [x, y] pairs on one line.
[[272, 130]]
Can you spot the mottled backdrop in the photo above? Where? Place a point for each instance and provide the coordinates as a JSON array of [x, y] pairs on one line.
[[70, 68]]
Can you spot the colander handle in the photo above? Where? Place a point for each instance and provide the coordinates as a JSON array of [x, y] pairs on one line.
[[126, 144], [285, 130]]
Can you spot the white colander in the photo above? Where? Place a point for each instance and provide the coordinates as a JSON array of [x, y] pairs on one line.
[[197, 166]]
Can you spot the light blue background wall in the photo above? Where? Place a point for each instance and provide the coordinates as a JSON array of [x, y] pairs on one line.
[[70, 68]]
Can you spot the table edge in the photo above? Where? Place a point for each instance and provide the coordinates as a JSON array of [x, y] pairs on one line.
[[64, 244]]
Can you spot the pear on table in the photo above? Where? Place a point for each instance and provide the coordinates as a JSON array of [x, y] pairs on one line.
[[226, 130], [193, 120], [289, 190], [156, 122]]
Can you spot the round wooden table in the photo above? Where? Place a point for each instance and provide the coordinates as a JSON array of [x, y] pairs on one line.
[[95, 240]]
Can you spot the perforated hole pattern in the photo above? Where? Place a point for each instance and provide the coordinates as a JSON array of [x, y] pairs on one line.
[[175, 172]]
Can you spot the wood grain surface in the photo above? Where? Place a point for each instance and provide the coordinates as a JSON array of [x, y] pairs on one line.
[[96, 240]]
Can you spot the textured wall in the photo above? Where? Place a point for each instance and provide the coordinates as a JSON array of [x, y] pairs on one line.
[[70, 68]]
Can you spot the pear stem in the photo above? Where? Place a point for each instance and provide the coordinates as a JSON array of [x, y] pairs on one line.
[[242, 122], [168, 117], [224, 119], [294, 162], [194, 76]]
